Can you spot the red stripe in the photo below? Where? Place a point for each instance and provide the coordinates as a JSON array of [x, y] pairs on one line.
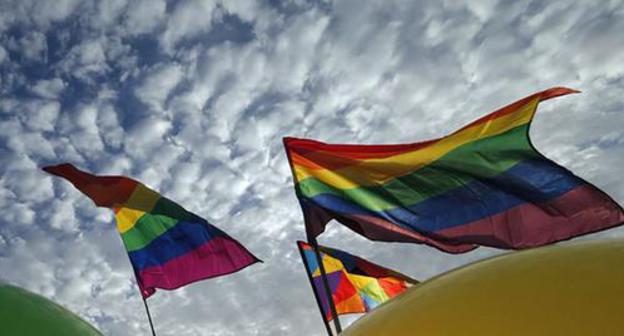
[[306, 146], [320, 160], [104, 191], [392, 287], [219, 256], [580, 211]]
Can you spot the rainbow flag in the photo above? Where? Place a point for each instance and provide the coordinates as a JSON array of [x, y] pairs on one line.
[[484, 184], [168, 246], [357, 285]]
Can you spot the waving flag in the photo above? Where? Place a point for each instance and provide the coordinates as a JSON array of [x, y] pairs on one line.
[[168, 246], [357, 285], [484, 184]]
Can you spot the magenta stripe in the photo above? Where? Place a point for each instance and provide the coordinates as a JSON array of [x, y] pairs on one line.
[[383, 230], [219, 256], [580, 211]]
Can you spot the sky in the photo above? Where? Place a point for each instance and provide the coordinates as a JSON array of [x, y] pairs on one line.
[[193, 98]]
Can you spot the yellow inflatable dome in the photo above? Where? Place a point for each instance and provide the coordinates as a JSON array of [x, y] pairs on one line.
[[569, 289]]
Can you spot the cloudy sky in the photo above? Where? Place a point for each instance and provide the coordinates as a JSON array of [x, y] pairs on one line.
[[193, 98]]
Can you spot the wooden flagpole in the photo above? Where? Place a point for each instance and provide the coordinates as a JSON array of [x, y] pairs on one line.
[[316, 294], [330, 299]]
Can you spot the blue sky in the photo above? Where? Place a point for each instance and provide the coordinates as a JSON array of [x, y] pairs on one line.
[[193, 98]]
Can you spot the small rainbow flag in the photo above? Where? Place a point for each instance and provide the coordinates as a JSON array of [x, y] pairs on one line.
[[357, 285], [484, 184], [168, 246]]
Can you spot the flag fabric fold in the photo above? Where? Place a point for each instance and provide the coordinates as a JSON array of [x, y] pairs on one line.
[[168, 246], [484, 184], [357, 285]]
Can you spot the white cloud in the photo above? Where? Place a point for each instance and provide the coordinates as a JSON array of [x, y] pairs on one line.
[[144, 16], [35, 114], [44, 12], [105, 13], [188, 19], [39, 13], [62, 216], [33, 46], [108, 125], [82, 129], [43, 116], [158, 84], [49, 88], [246, 10], [86, 59], [144, 138], [22, 177], [18, 215], [31, 143]]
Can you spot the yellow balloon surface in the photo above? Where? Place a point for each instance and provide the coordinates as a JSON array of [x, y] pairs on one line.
[[568, 289]]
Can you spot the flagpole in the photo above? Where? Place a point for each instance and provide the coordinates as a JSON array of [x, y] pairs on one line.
[[316, 294], [314, 244], [149, 316], [330, 299]]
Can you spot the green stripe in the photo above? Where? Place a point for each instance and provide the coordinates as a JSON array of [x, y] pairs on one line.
[[483, 158], [165, 215], [168, 208]]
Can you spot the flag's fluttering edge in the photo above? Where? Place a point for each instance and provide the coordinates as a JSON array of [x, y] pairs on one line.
[[356, 285], [484, 184], [168, 246]]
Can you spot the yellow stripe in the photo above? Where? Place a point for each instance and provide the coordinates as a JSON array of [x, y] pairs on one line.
[[126, 218], [331, 265], [142, 200], [380, 170]]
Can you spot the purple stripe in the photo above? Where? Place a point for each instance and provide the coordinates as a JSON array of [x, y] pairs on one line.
[[333, 280], [219, 256]]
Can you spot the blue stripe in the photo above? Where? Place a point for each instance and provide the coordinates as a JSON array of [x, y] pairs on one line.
[[181, 239], [311, 259], [531, 181]]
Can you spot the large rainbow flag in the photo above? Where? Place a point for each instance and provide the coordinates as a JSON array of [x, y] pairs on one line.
[[484, 184], [168, 246], [356, 285]]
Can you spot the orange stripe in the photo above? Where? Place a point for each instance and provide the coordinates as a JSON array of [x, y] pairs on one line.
[[335, 156]]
